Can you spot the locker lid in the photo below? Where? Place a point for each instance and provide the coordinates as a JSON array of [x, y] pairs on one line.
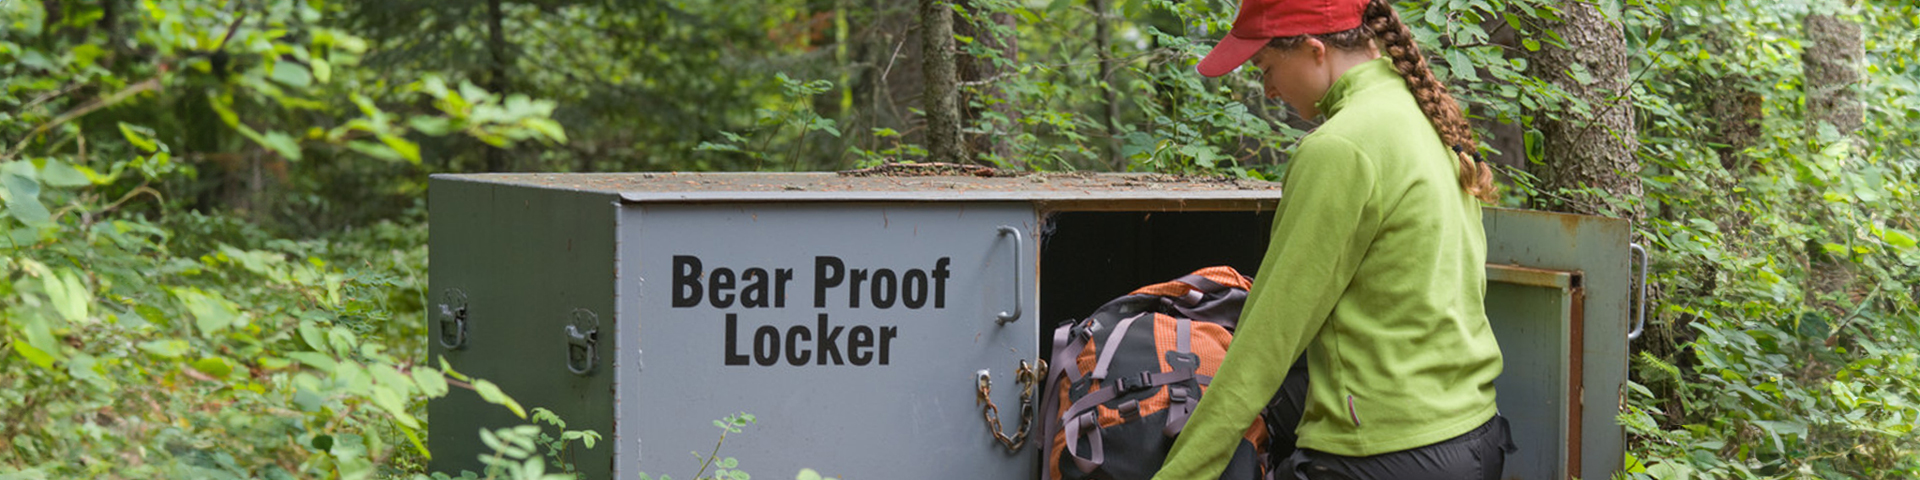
[[1054, 191]]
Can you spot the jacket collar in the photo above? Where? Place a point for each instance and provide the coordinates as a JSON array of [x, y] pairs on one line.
[[1362, 77]]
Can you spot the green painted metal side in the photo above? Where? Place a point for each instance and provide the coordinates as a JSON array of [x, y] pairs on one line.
[[526, 259]]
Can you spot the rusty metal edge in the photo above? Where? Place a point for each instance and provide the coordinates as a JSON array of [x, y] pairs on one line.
[[1576, 380], [1532, 277]]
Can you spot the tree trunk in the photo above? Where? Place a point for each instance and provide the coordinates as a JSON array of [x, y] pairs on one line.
[[888, 52], [1589, 156], [983, 74], [1110, 97], [941, 100], [1832, 59], [496, 73]]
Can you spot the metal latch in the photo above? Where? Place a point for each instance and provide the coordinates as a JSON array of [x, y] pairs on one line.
[[453, 319], [583, 338]]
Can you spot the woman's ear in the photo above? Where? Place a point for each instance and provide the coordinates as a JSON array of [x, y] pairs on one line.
[[1319, 49]]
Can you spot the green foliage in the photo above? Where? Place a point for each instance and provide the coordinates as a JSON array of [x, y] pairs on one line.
[[214, 220], [144, 338], [728, 468], [1788, 265]]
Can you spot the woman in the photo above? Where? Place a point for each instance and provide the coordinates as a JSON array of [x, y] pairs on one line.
[[1376, 269]]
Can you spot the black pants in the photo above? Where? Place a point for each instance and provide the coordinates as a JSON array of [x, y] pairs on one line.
[[1479, 454]]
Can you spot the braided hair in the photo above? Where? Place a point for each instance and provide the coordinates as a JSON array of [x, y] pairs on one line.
[[1380, 23]]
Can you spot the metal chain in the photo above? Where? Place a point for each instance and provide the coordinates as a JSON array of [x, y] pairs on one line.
[[1027, 376]]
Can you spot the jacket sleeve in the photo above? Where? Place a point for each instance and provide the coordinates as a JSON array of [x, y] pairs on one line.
[[1315, 249]]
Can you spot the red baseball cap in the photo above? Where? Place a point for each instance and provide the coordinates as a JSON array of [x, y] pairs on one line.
[[1263, 20]]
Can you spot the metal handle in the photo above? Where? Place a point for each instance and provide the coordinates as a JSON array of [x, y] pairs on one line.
[[1640, 297], [1019, 243], [453, 319], [583, 339]]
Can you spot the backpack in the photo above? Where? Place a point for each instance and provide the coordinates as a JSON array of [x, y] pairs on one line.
[[1123, 381]]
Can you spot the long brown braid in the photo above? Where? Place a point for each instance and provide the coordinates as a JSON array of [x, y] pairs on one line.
[[1396, 42], [1380, 23]]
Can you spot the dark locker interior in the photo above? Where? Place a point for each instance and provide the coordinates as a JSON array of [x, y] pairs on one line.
[[1088, 258]]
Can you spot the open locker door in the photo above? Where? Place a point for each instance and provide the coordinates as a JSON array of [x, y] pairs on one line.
[[1558, 300]]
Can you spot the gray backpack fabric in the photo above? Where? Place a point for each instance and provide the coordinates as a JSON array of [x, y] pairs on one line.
[[1123, 381]]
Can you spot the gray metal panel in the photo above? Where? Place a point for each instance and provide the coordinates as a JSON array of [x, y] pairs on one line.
[[914, 417], [1596, 247], [526, 259]]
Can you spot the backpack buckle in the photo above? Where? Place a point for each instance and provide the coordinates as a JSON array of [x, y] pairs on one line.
[[1134, 383]]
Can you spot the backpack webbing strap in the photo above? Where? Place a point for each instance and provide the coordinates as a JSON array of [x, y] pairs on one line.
[[1180, 401], [1112, 345], [1086, 424], [1201, 283], [1128, 384], [1066, 345]]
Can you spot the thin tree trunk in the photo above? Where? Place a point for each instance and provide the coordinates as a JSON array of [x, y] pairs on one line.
[[497, 73], [1589, 156], [941, 101], [983, 75], [1103, 45], [1832, 59]]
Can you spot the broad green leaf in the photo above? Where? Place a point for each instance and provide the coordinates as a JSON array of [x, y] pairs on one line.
[[215, 367], [172, 348], [375, 150], [322, 70], [492, 394], [62, 174], [1897, 238], [1670, 471], [70, 298], [391, 378], [406, 149], [432, 383], [1460, 64], [389, 399], [86, 367], [316, 360], [549, 128], [22, 188], [211, 313], [281, 143], [292, 74], [313, 336], [433, 126], [33, 354]]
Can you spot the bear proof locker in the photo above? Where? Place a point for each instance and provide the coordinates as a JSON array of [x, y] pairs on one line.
[[857, 317]]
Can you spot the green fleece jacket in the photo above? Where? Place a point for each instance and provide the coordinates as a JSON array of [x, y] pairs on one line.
[[1377, 270]]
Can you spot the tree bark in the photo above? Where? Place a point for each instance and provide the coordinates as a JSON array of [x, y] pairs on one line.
[[1589, 155], [888, 53], [1832, 63], [983, 74], [496, 73], [941, 100], [1832, 60], [1110, 98]]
